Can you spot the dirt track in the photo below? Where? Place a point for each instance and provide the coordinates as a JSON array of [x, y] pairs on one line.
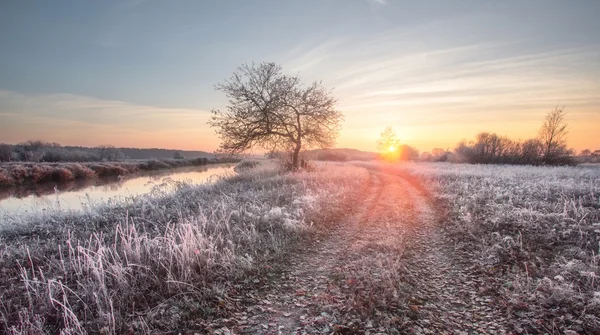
[[386, 269]]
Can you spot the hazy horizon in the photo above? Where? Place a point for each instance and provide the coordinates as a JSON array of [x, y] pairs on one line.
[[140, 73]]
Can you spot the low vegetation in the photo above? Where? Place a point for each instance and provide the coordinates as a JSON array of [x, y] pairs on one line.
[[18, 174], [50, 152], [163, 261], [535, 231]]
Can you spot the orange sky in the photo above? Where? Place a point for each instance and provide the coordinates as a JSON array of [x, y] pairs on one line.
[[123, 124], [131, 75]]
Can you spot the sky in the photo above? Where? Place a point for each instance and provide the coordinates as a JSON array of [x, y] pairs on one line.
[[141, 73]]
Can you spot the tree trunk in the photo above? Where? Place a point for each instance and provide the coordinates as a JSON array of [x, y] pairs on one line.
[[295, 161]]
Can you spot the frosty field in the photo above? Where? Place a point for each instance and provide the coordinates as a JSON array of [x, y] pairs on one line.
[[353, 248], [536, 231]]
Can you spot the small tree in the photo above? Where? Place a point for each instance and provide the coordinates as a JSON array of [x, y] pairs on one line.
[[391, 149], [388, 141], [553, 137], [274, 111], [178, 155]]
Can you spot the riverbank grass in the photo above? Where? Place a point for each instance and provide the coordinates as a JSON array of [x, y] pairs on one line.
[[19, 173]]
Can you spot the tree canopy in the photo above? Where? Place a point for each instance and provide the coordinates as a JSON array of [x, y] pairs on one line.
[[275, 111]]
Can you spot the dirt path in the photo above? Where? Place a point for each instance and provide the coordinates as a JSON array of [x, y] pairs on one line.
[[385, 270]]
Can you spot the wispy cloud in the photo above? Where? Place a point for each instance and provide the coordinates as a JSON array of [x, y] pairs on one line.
[[398, 79]]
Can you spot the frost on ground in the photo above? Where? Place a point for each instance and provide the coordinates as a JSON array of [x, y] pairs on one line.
[[377, 249], [164, 261], [535, 231]]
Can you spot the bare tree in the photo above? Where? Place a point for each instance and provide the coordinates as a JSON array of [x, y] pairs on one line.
[[531, 151], [109, 153], [585, 152], [274, 111], [553, 136]]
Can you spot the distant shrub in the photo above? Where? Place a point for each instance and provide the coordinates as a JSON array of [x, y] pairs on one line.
[[81, 172], [60, 174], [41, 173], [18, 172], [108, 170], [155, 164], [6, 179]]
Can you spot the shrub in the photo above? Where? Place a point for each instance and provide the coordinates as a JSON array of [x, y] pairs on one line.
[[6, 179], [108, 170], [60, 174], [40, 173], [18, 172], [81, 172], [154, 164]]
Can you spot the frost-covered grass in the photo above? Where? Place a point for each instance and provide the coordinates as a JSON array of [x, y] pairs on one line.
[[160, 261], [537, 229]]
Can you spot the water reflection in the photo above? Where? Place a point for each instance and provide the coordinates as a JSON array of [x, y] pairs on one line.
[[80, 194]]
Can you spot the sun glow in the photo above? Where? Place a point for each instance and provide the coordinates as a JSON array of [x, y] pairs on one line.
[[392, 148]]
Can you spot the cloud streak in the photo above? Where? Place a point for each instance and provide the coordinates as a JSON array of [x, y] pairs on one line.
[[484, 85]]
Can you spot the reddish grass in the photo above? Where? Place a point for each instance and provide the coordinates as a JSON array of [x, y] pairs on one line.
[[61, 174], [17, 173], [40, 173], [81, 172], [6, 179]]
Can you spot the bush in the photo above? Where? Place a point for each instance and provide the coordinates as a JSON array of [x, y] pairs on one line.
[[108, 170], [19, 173], [81, 172], [41, 173], [60, 174], [6, 179], [154, 164]]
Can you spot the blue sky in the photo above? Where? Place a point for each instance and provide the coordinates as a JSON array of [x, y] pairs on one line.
[[141, 72]]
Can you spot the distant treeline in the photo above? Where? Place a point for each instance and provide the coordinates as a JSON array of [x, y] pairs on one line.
[[548, 148], [40, 151]]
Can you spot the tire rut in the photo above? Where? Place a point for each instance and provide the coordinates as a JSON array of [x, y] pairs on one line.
[[296, 296], [386, 269]]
